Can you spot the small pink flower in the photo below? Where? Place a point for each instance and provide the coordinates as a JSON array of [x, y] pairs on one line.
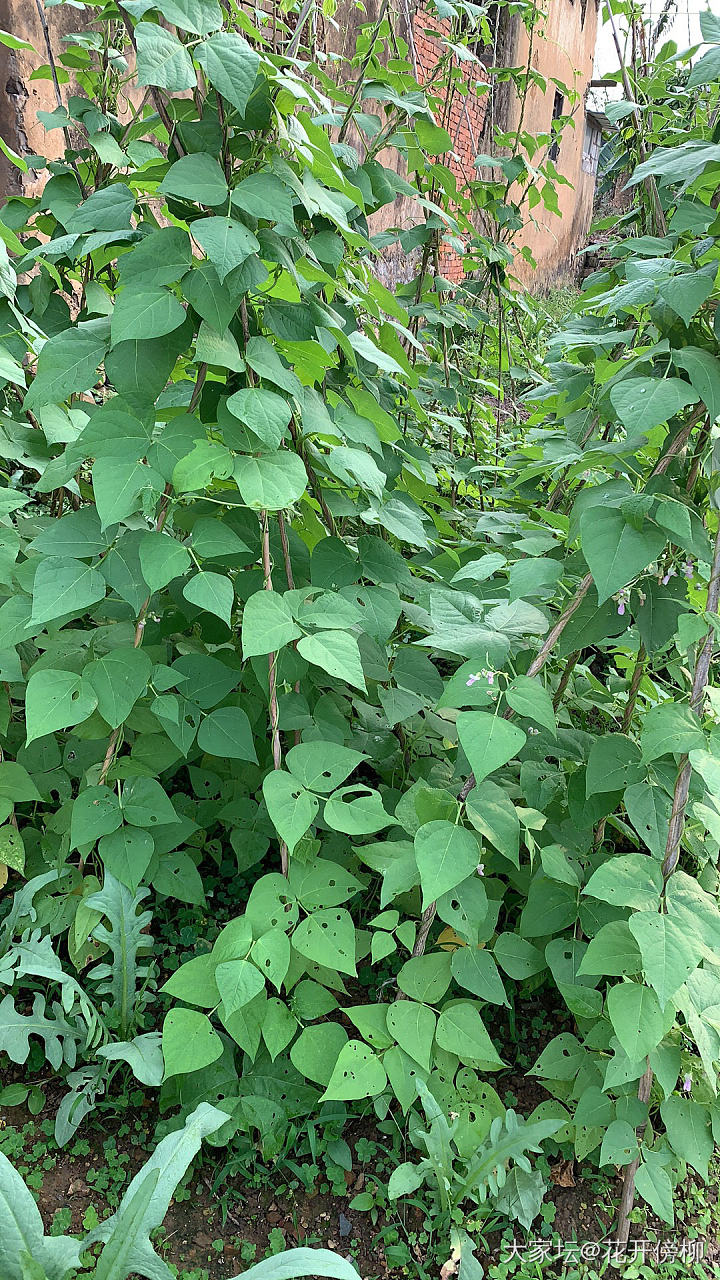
[[622, 598], [480, 868], [687, 1083], [689, 569], [664, 580], [473, 680], [491, 677]]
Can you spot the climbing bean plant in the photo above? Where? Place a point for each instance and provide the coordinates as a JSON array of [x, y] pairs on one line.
[[440, 721]]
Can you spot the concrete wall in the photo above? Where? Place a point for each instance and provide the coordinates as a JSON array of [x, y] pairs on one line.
[[21, 98], [563, 47]]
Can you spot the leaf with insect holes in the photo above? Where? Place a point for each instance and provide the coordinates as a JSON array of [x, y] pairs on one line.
[[446, 855], [322, 766], [292, 809], [358, 1073], [328, 938], [56, 700]]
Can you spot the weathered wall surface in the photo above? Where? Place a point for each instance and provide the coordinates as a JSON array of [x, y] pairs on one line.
[[564, 48], [21, 98]]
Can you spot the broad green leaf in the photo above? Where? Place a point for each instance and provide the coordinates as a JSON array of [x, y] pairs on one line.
[[619, 1145], [460, 1025], [117, 485], [475, 969], [211, 539], [670, 729], [143, 1055], [322, 766], [230, 65], [303, 1262], [292, 809], [529, 697], [227, 732], [145, 803], [413, 1026], [653, 1183], [703, 369], [669, 954], [56, 700], [493, 814], [69, 362], [316, 1051], [16, 784], [627, 880], [278, 1026], [705, 70], [127, 854], [518, 957], [221, 349], [95, 812], [426, 978], [22, 1232], [337, 653], [162, 59], [356, 810], [178, 877], [561, 1059], [264, 412], [358, 1073], [636, 1017], [687, 1124], [63, 586], [162, 558], [205, 680], [613, 764], [162, 257], [12, 849], [328, 938], [119, 679], [644, 403], [271, 954], [649, 809], [686, 293], [238, 982], [189, 1042], [145, 313], [194, 982], [613, 952], [594, 1109], [198, 16], [196, 177], [212, 592], [488, 741], [225, 241], [207, 459], [266, 363], [446, 855], [270, 481], [263, 195], [615, 551], [267, 624]]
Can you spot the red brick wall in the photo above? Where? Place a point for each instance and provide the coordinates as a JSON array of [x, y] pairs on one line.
[[462, 113]]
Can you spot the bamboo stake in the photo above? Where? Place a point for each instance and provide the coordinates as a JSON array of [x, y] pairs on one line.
[[672, 846]]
